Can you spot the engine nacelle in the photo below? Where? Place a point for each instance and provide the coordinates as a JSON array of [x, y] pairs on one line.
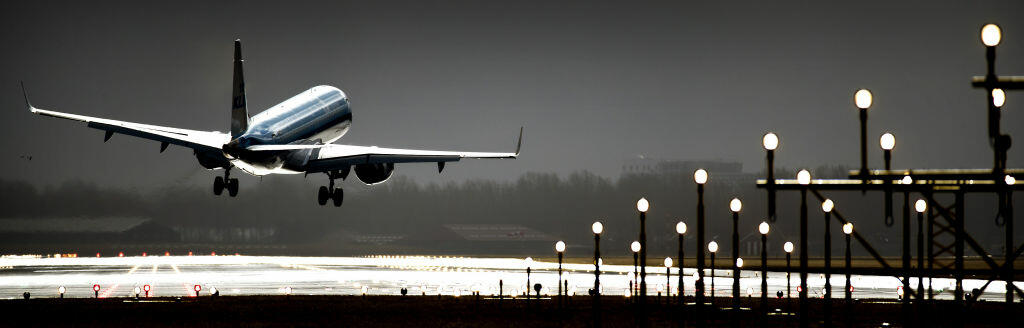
[[374, 173]]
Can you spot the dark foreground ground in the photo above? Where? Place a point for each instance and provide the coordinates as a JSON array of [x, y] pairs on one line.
[[468, 311]]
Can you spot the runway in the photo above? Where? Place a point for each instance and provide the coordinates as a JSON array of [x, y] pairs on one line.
[[385, 275]]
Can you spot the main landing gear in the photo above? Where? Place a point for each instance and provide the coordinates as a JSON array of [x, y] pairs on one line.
[[219, 184], [336, 195]]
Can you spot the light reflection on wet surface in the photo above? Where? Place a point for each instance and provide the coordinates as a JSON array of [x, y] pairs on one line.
[[383, 275]]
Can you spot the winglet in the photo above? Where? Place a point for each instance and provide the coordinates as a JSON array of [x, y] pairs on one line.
[[519, 143], [27, 103]]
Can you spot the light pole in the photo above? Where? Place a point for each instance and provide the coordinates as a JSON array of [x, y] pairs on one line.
[[848, 230], [560, 249], [763, 228], [735, 206], [700, 177], [804, 178], [1008, 226], [921, 205], [863, 101], [668, 279], [826, 207], [713, 248], [635, 247], [61, 290], [990, 36], [681, 230], [642, 206], [597, 228], [770, 141], [529, 263], [788, 247], [887, 141]]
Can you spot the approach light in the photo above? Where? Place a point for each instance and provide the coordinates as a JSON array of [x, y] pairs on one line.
[[681, 228], [907, 180], [643, 205], [788, 247], [920, 205], [635, 246], [863, 98], [735, 205], [998, 97], [770, 141], [597, 227], [61, 290], [95, 288], [560, 246], [146, 288], [197, 288], [668, 262], [887, 141], [991, 35], [739, 262], [848, 228], [763, 228], [713, 246], [1010, 180], [700, 176], [803, 177], [827, 205], [137, 290]]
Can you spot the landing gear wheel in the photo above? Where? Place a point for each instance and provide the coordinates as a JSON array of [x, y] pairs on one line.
[[218, 186], [232, 186], [323, 195], [338, 197]]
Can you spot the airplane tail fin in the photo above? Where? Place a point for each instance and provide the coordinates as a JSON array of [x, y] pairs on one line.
[[239, 111]]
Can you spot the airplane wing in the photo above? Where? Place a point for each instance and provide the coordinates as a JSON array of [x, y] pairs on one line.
[[198, 140], [333, 157]]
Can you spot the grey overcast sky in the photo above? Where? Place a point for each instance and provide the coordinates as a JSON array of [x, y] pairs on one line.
[[594, 83]]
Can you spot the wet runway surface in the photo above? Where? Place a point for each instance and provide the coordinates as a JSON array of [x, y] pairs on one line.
[[384, 275]]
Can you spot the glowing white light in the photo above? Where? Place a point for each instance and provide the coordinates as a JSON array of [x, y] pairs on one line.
[[907, 180], [643, 205], [735, 205], [998, 97], [635, 246], [1010, 180], [863, 98], [921, 205], [712, 246], [681, 228], [739, 262], [788, 247], [763, 228], [770, 141], [700, 176], [848, 228], [668, 262], [803, 177], [597, 227], [827, 205], [750, 292], [991, 35], [137, 290], [529, 262], [61, 289], [560, 246], [887, 141]]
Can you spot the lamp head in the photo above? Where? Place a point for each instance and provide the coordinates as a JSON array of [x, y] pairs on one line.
[[735, 205], [700, 176], [991, 35], [635, 246], [681, 228], [848, 228], [788, 247], [863, 98], [597, 227], [803, 177], [907, 180], [560, 246], [827, 205], [770, 141], [920, 205], [763, 228], [887, 141], [528, 261], [1010, 180], [713, 246], [643, 205], [739, 262], [668, 262], [998, 97]]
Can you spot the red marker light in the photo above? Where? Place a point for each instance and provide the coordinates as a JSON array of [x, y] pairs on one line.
[[143, 254], [167, 253], [97, 254], [213, 253], [95, 288], [799, 289], [146, 288], [197, 288], [189, 253], [120, 254]]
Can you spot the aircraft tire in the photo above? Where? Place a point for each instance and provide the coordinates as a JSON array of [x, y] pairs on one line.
[[218, 186], [232, 186], [338, 197], [323, 195]]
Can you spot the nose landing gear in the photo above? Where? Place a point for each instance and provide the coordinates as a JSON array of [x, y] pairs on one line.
[[219, 184], [329, 192]]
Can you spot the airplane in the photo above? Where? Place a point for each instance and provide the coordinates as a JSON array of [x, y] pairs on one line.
[[295, 136]]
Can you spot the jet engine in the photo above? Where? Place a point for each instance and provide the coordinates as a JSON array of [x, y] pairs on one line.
[[374, 173]]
